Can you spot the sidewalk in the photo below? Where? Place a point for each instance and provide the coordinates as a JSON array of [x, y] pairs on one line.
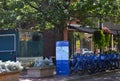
[[24, 77], [74, 77]]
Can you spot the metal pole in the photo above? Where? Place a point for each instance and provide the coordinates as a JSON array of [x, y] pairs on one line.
[[100, 26]]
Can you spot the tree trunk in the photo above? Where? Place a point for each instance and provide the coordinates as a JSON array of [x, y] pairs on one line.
[[71, 45], [65, 34]]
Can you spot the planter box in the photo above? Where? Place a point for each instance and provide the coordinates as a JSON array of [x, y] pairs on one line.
[[36, 72], [9, 76]]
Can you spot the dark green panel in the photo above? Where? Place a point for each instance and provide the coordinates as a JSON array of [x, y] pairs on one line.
[[8, 44]]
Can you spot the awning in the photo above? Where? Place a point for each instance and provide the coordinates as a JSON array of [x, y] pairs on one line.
[[88, 30]]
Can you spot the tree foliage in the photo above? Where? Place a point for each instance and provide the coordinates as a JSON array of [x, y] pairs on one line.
[[99, 38], [90, 11], [44, 14], [40, 14]]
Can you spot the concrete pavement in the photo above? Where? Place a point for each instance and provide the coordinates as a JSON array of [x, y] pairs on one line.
[[102, 76]]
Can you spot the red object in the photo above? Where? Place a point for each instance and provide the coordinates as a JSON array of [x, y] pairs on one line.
[[106, 30]]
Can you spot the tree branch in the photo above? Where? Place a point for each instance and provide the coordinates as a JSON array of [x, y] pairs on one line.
[[32, 6]]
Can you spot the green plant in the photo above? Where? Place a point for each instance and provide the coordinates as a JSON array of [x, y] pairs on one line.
[[107, 39], [115, 40], [102, 37], [106, 32], [112, 52], [99, 38], [31, 64]]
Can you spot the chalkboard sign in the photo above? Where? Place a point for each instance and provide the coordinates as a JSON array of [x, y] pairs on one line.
[[7, 42]]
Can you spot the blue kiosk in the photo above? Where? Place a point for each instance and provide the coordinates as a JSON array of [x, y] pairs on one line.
[[62, 58]]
